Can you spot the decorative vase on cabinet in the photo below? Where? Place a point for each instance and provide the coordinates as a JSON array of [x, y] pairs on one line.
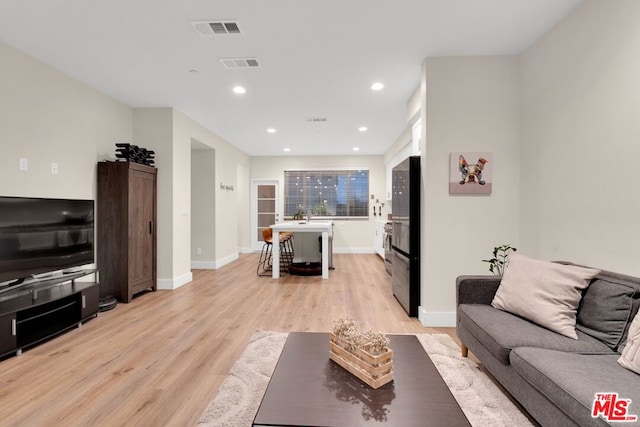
[[126, 218]]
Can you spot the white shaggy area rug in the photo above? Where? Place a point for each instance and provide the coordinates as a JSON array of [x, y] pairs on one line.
[[240, 394]]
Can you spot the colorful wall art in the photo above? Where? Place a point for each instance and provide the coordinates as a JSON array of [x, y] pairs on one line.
[[470, 173]]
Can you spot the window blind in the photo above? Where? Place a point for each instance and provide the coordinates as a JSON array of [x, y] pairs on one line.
[[327, 193]]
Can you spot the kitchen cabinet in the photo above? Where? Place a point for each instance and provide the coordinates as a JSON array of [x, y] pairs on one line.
[[306, 247], [388, 182], [378, 240], [412, 148]]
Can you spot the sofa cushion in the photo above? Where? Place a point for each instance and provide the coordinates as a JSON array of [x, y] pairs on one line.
[[544, 292], [500, 332], [571, 380], [630, 357], [606, 308]]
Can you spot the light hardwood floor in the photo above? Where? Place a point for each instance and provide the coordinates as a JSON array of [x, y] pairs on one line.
[[160, 359]]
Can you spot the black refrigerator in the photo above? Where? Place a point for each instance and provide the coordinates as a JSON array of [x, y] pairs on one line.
[[405, 237]]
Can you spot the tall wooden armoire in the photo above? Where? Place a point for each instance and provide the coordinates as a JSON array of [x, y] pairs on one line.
[[127, 236]]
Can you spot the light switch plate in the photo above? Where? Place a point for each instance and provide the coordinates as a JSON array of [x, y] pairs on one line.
[[54, 169], [24, 164]]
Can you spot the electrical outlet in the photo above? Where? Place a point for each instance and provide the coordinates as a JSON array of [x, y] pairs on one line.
[[198, 251], [54, 169], [24, 164]]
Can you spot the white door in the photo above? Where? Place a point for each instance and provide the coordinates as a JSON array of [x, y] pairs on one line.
[[265, 208]]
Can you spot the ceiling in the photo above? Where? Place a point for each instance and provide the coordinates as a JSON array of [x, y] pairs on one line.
[[317, 59]]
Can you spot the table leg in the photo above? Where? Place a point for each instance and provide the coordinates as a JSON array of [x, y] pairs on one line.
[[325, 255], [275, 253]]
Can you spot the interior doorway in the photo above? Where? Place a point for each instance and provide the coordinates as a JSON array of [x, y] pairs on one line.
[[265, 208]]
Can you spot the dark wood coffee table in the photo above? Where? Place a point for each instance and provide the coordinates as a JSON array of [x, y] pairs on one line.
[[308, 389]]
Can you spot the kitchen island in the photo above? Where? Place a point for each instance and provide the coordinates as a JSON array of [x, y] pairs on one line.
[[313, 226]]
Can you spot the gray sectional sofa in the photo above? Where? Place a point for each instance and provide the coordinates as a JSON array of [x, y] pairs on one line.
[[555, 378]]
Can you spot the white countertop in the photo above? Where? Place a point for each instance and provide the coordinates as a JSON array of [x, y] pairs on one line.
[[310, 226]]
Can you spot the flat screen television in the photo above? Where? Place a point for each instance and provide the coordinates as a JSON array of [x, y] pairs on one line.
[[44, 235]]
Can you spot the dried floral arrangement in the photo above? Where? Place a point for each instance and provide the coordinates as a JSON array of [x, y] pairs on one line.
[[365, 354], [377, 343]]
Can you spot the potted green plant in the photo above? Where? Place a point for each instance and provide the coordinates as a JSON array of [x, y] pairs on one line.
[[320, 209], [299, 213], [500, 259]]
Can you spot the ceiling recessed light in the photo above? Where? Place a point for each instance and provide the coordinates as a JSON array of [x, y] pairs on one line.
[[356, 149], [362, 128], [287, 150], [377, 86], [271, 130], [239, 90]]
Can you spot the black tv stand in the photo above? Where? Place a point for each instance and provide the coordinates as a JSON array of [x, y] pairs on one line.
[[17, 282], [35, 311]]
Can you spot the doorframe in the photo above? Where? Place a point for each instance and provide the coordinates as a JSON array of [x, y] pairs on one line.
[[255, 244]]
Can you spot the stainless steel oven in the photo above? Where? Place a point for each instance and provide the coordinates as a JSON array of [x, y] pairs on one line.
[[388, 251]]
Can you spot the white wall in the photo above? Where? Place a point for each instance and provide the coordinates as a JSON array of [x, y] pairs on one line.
[[349, 235], [181, 197], [203, 204], [243, 203], [471, 104], [48, 117], [171, 134], [231, 212], [414, 106], [580, 193], [561, 120], [406, 137]]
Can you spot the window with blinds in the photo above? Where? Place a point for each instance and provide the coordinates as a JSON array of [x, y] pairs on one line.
[[343, 193]]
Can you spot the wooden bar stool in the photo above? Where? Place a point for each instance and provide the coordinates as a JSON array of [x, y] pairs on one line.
[[286, 252]]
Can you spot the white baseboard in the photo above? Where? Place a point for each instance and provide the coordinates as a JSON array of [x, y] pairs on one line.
[[203, 265], [245, 250], [435, 319], [226, 260], [171, 284], [353, 250], [213, 265]]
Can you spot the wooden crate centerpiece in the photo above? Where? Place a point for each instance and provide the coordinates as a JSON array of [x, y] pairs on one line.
[[365, 355]]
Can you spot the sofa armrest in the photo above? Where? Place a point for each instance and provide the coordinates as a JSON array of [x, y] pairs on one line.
[[476, 289]]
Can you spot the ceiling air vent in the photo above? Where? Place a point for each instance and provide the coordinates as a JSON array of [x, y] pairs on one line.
[[316, 119], [239, 63], [211, 28]]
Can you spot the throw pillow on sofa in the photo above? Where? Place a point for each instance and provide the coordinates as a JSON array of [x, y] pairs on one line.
[[630, 357], [607, 307], [543, 292]]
